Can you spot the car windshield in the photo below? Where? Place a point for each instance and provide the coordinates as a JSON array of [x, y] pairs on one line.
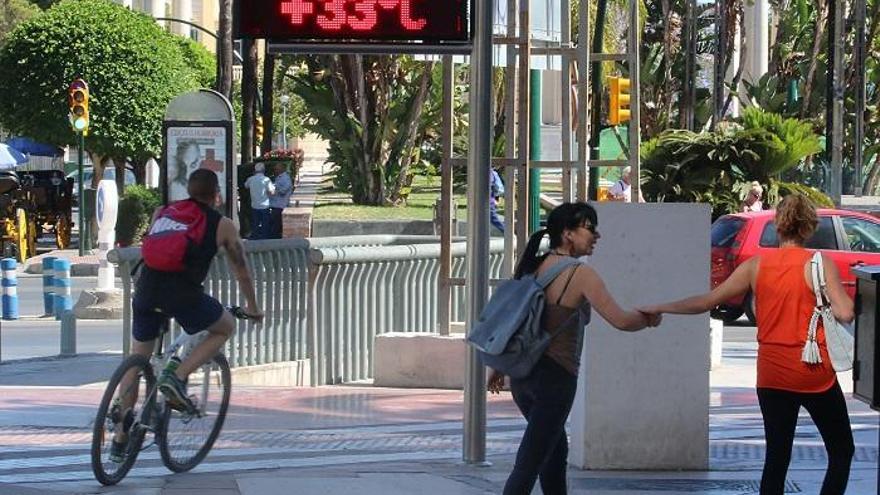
[[824, 237], [724, 231]]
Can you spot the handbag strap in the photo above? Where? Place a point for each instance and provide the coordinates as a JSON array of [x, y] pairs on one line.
[[817, 272]]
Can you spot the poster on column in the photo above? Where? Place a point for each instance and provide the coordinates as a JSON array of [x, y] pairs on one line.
[[190, 148]]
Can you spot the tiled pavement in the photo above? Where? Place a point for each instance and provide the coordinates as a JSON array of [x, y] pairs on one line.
[[336, 440]]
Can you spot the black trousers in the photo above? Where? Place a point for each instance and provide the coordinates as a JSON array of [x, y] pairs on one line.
[[275, 225], [544, 398], [828, 409]]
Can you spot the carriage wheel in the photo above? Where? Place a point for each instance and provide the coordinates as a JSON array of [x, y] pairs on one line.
[[62, 232], [21, 235], [32, 236]]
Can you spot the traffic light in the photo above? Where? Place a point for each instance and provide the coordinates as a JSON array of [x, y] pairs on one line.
[[258, 126], [78, 100], [619, 100]]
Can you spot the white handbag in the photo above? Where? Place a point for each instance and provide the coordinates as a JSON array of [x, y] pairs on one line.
[[838, 335]]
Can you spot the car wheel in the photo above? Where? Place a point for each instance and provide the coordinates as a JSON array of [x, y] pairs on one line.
[[749, 307], [727, 314]]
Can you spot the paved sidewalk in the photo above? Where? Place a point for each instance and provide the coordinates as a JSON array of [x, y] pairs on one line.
[[366, 440]]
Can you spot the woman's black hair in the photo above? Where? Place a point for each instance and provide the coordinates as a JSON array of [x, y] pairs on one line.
[[567, 216]]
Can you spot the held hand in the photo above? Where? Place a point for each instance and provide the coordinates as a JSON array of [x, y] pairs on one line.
[[652, 315], [496, 382]]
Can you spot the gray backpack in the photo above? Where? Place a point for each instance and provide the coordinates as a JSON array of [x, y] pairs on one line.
[[508, 336]]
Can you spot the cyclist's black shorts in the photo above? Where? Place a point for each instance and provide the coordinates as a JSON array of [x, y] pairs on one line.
[[193, 317]]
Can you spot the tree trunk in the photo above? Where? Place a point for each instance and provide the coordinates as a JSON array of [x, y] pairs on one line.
[[139, 168], [268, 98], [248, 99], [821, 21], [98, 163], [119, 165], [224, 55], [411, 124]]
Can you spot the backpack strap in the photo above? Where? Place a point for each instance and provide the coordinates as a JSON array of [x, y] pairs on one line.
[[554, 271]]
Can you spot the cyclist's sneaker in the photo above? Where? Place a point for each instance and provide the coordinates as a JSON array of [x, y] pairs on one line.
[[118, 451], [174, 390]]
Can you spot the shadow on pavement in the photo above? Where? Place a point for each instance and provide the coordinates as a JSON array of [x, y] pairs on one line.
[[59, 371]]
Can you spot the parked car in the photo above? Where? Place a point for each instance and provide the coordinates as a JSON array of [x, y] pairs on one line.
[[850, 238], [88, 172]]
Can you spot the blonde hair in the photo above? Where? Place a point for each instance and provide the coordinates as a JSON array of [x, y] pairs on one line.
[[796, 218], [756, 187]]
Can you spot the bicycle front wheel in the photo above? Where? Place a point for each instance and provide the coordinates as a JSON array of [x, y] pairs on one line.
[[186, 438], [119, 417]]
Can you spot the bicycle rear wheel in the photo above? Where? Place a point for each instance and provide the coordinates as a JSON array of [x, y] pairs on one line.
[[186, 439], [120, 410]]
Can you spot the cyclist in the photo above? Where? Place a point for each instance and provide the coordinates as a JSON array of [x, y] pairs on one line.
[[160, 295]]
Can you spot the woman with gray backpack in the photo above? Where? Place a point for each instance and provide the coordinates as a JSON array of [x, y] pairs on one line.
[[544, 390]]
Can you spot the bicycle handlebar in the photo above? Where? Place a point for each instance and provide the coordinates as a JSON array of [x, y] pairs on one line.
[[238, 312]]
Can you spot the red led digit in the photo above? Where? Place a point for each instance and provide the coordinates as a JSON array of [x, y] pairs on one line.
[[406, 17], [297, 10], [365, 15], [336, 18]]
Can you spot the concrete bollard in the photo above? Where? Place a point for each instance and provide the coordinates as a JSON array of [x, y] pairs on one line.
[[49, 285], [68, 333], [63, 298], [10, 289]]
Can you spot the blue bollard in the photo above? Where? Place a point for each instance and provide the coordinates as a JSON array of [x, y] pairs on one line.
[[10, 289], [63, 298], [49, 285]]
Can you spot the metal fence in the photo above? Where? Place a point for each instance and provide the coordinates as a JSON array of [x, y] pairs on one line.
[[327, 298]]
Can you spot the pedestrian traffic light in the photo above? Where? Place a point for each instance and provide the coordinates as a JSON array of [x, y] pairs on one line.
[[619, 110], [78, 100], [259, 129]]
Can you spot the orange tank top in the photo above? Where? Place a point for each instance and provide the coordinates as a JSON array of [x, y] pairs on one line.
[[783, 307]]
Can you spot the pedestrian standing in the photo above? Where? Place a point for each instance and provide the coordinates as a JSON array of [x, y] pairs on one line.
[[496, 191], [781, 280], [753, 198], [277, 203], [546, 394], [260, 188]]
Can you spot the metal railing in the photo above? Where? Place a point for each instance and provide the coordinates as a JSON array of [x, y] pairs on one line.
[[326, 299]]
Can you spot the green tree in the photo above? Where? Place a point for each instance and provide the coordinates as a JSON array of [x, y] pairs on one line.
[[12, 12], [197, 57], [133, 67], [370, 109]]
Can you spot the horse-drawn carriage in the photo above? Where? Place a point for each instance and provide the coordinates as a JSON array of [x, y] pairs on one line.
[[30, 204]]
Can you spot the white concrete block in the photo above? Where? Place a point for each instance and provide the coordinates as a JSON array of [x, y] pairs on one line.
[[643, 398], [419, 360], [716, 338], [283, 374]]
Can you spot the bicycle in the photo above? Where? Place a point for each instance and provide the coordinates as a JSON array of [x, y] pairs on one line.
[[184, 438]]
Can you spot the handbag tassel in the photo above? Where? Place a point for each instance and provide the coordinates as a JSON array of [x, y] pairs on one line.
[[811, 354]]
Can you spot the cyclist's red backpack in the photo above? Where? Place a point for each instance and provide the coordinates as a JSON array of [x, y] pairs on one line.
[[179, 228]]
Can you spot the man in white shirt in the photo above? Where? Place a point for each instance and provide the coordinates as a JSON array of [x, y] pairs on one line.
[[278, 202], [260, 188], [621, 190]]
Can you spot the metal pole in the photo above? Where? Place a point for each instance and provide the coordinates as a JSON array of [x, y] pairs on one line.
[[534, 149], [284, 122], [444, 307], [720, 57], [634, 100], [83, 231], [477, 280], [859, 131], [596, 90], [836, 188]]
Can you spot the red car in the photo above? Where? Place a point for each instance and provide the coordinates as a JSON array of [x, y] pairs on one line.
[[848, 237]]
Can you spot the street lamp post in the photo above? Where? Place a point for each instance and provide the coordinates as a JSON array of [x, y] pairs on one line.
[[284, 101]]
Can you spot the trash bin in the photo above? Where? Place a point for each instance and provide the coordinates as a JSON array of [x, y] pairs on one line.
[[865, 369]]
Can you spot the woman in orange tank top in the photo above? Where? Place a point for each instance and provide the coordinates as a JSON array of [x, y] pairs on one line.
[[784, 302]]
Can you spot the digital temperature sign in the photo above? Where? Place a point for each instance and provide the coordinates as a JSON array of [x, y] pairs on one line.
[[421, 21]]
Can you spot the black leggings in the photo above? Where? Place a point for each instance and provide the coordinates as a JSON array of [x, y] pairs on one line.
[[544, 398], [828, 409]]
